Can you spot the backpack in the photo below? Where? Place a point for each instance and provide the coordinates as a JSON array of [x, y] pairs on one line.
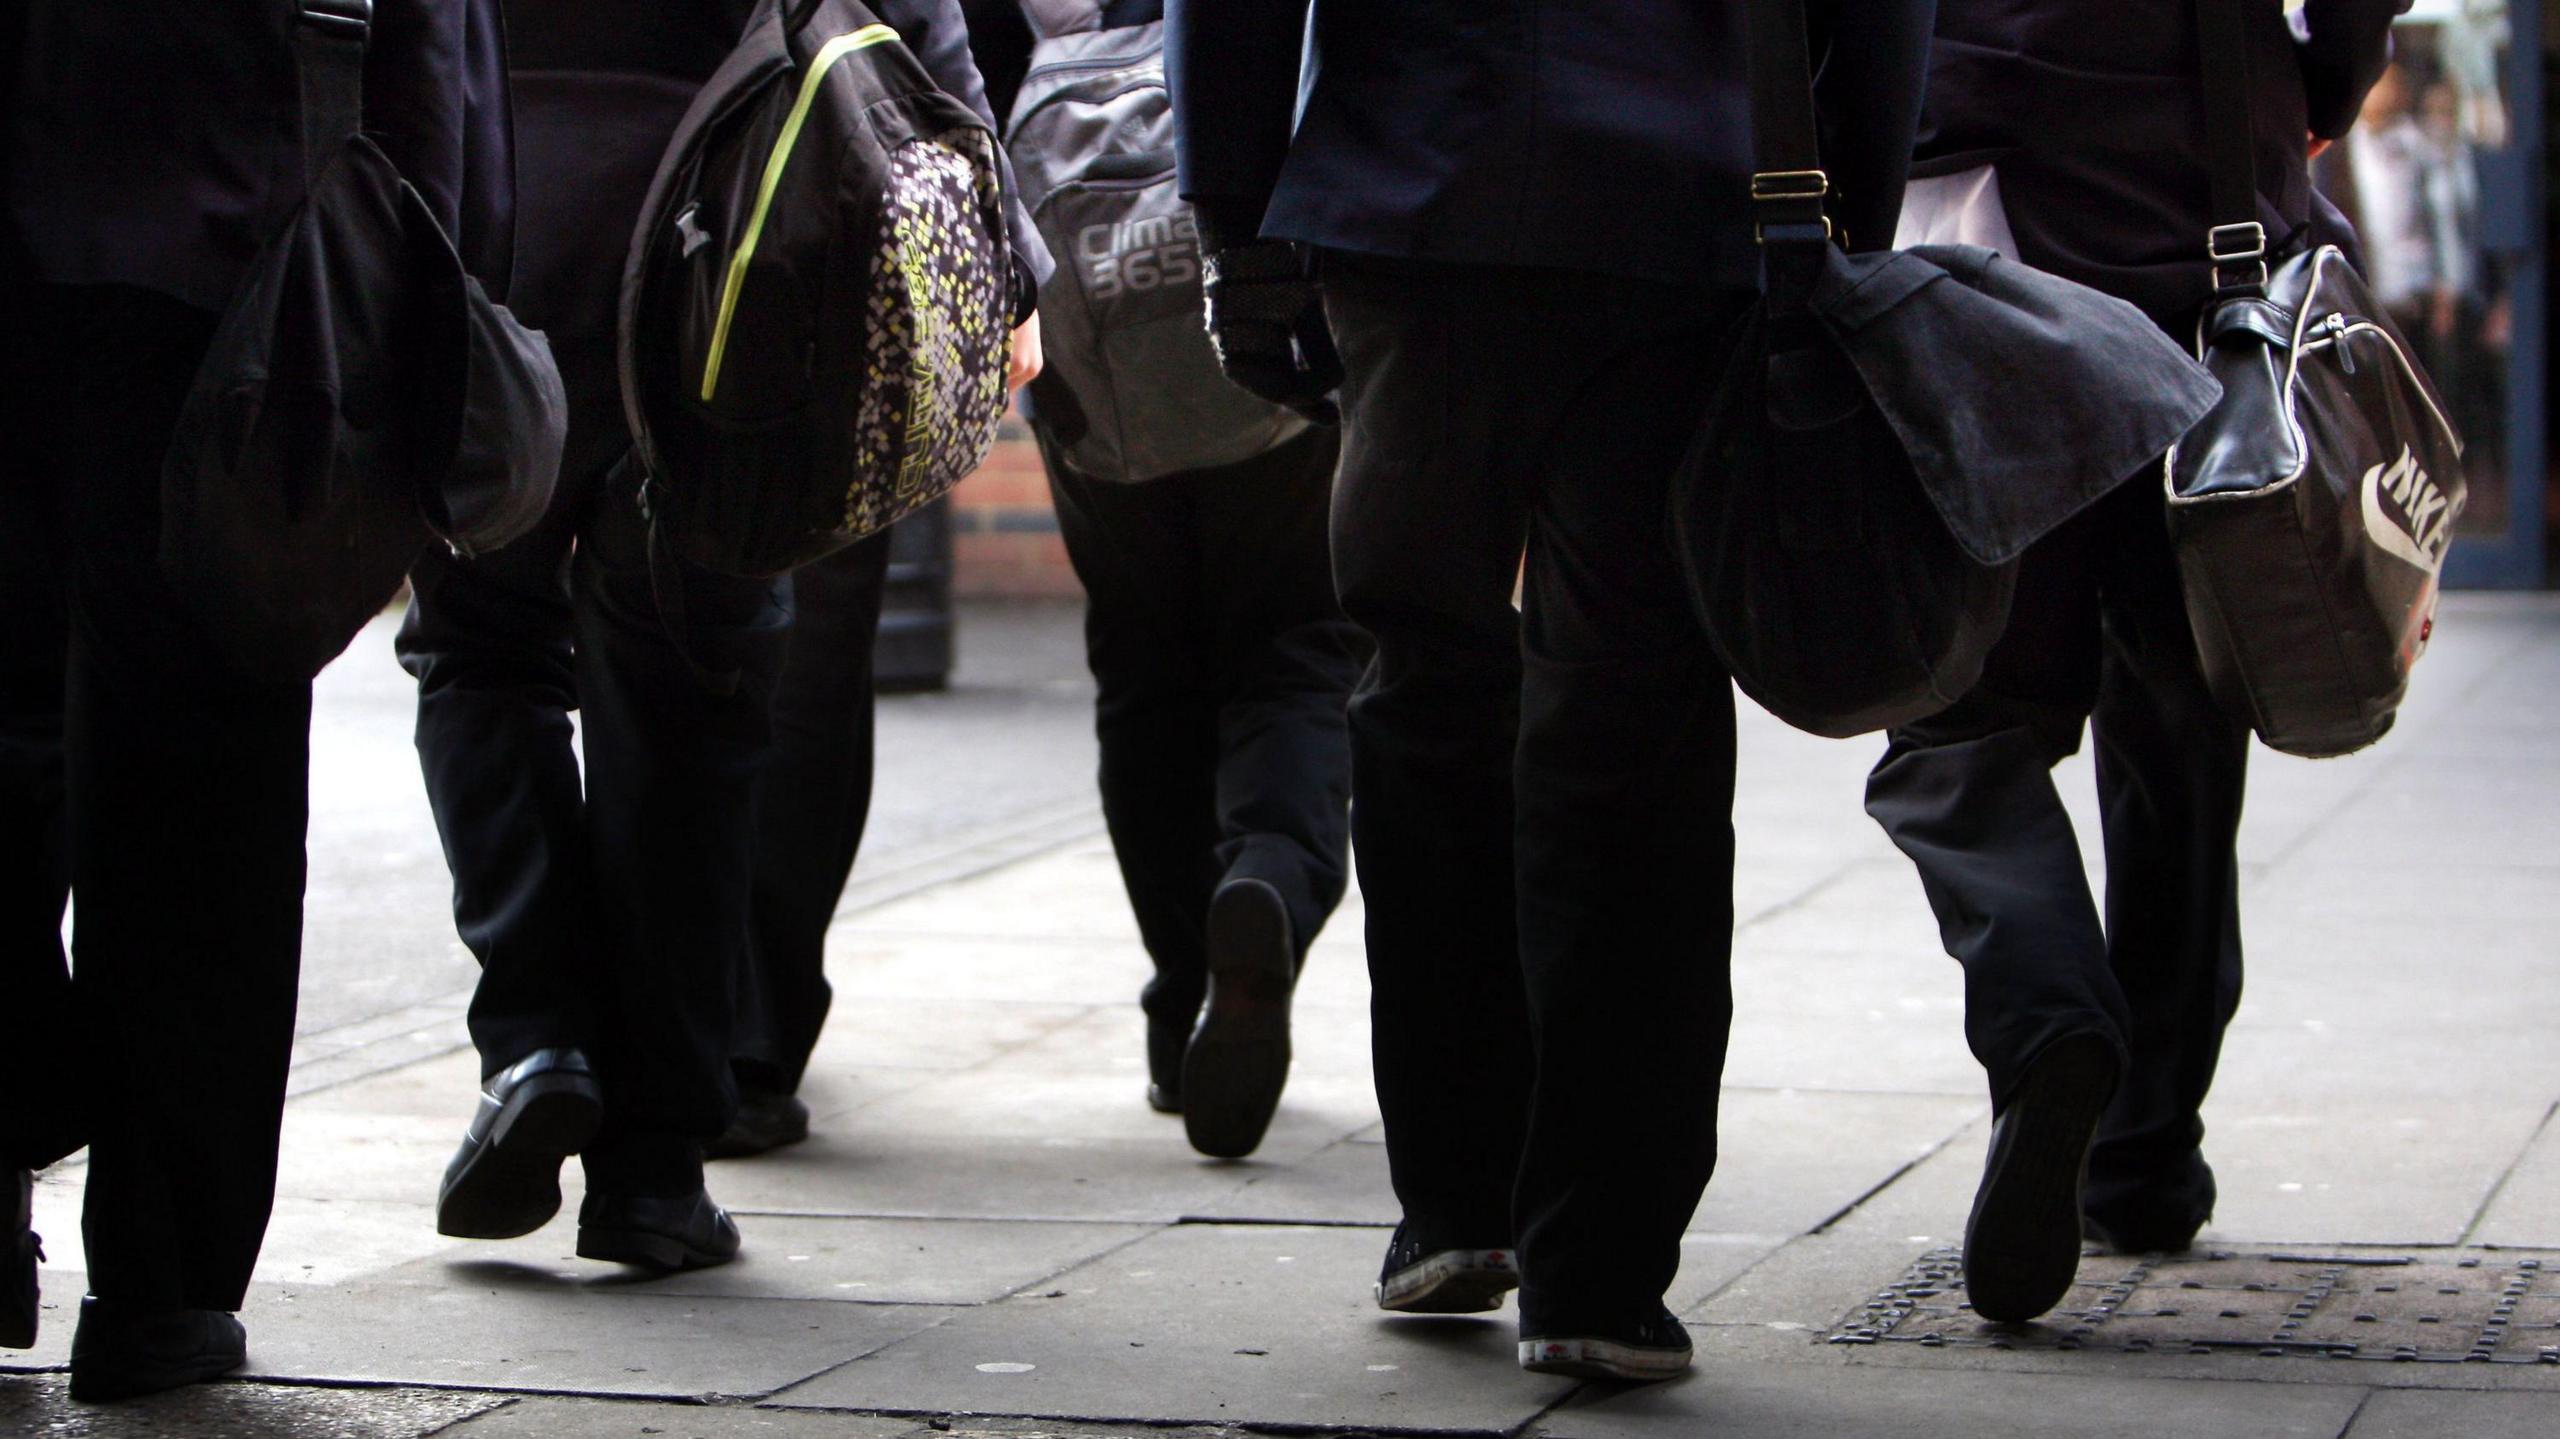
[[361, 398], [1132, 390], [818, 300]]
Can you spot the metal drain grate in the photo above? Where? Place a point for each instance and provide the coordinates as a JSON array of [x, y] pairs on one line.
[[2446, 1307]]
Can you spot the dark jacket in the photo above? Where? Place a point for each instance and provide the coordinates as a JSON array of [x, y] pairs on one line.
[[1596, 135], [2092, 113], [158, 142]]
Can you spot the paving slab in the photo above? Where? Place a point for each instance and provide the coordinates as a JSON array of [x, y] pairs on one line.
[[593, 1419], [1790, 1159], [497, 1326], [1259, 1324], [2365, 1172], [2526, 1211], [938, 1034], [997, 1103], [41, 1405], [2437, 1414], [1740, 1402], [873, 1261]]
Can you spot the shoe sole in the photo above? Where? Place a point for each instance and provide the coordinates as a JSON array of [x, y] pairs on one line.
[[647, 1249], [1602, 1359], [512, 1186], [747, 1144], [1238, 1060], [92, 1387], [1452, 1281], [2022, 1241]]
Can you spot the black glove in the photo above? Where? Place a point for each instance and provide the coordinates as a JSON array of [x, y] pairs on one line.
[[1266, 321]]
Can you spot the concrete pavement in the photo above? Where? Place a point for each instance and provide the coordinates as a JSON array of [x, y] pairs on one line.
[[990, 1235]]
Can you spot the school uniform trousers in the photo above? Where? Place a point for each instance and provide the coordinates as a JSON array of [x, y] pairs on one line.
[[2091, 115], [1222, 663], [137, 771], [607, 909]]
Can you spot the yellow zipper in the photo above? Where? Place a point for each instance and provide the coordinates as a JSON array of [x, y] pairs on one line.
[[828, 54]]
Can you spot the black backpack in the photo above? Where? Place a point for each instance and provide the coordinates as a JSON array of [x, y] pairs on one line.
[[361, 398], [1132, 390], [819, 297]]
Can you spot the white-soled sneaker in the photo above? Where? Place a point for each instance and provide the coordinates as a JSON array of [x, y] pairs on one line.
[[1443, 1281], [1656, 1349]]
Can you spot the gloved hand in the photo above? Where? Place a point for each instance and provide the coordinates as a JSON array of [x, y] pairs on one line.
[[1266, 322]]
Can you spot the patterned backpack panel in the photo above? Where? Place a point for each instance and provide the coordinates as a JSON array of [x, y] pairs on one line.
[[816, 311]]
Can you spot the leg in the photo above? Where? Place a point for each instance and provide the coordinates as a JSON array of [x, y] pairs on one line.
[[1625, 780], [810, 810], [1136, 549], [187, 792], [2172, 770], [1429, 517], [489, 641], [671, 775], [1287, 660]]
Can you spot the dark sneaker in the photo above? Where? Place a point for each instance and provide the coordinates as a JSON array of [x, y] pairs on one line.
[[121, 1353], [2157, 1212], [1656, 1348], [505, 1179], [689, 1231], [2022, 1243], [2148, 1236], [1166, 1044], [1238, 1060], [767, 1120], [20, 1250], [1443, 1281]]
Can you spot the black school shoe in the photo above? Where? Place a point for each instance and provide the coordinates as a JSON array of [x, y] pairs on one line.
[[688, 1231], [1167, 1042], [2022, 1243], [767, 1120], [1238, 1059], [505, 1179], [20, 1249], [1416, 1280], [1641, 1353], [124, 1353]]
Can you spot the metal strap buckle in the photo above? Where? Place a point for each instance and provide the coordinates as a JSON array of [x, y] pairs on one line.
[[1775, 188], [339, 17], [2241, 247]]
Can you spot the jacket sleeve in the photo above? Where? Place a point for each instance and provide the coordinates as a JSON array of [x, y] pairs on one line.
[[1233, 66], [2346, 49], [939, 35], [1874, 67]]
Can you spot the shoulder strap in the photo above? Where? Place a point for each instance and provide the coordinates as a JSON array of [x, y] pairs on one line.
[[2237, 243], [1788, 185], [328, 55], [1052, 18]]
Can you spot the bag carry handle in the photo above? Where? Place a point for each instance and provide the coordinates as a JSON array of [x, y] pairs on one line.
[[2237, 242], [328, 57]]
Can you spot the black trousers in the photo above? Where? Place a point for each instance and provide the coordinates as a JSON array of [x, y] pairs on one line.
[[609, 910], [2098, 636], [1221, 662], [811, 806], [164, 792], [1542, 798]]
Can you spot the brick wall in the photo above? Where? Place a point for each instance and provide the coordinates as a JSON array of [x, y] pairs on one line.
[[1004, 540]]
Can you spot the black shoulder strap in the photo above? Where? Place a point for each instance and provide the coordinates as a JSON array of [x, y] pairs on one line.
[[2237, 243], [328, 54], [1788, 185]]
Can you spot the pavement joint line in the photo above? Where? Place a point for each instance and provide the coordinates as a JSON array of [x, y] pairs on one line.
[[2356, 1414], [974, 853], [1799, 899], [2489, 1201], [1081, 1425], [1881, 1185]]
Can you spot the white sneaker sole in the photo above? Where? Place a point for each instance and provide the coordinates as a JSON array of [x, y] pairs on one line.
[[1452, 1281], [1602, 1359]]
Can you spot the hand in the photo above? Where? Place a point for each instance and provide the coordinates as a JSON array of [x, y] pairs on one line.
[[2320, 147], [1022, 366], [1266, 322]]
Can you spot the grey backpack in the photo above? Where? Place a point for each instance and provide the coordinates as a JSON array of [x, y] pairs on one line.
[[1131, 391]]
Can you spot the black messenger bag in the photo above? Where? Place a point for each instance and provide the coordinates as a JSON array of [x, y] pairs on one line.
[[361, 398], [1890, 432], [2312, 508]]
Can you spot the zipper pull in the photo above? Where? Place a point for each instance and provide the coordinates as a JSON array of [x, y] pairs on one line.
[[2336, 325]]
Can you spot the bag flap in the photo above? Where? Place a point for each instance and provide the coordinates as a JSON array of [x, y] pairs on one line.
[[2020, 397]]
